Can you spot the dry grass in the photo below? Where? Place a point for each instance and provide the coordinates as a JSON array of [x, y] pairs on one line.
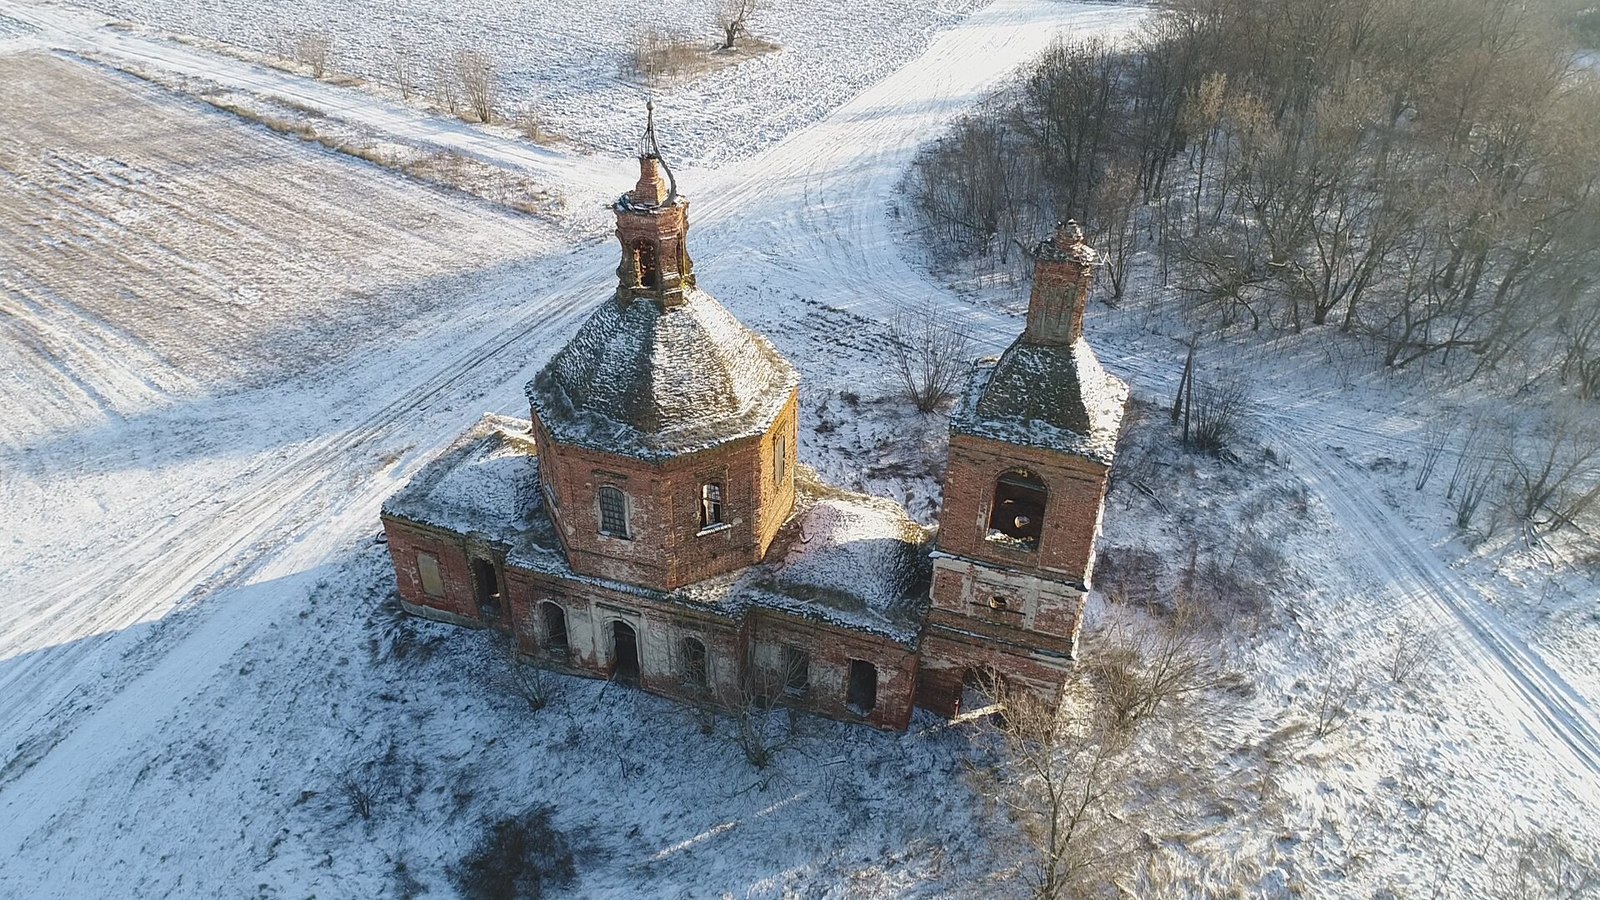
[[659, 57]]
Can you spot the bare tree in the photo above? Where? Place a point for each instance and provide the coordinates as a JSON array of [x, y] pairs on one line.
[[479, 83], [445, 93], [1116, 199], [314, 49], [1064, 776], [733, 20], [929, 351]]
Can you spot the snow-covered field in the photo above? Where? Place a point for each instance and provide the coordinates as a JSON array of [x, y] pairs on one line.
[[204, 691], [565, 59]]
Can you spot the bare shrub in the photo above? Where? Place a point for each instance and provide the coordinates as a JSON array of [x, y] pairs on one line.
[[1213, 414], [1559, 475], [1413, 652], [480, 83], [521, 856], [530, 124], [929, 353], [446, 93], [1433, 443], [1334, 698], [1470, 489], [733, 20], [1547, 867], [358, 793], [402, 60], [1142, 668], [657, 56], [314, 50], [524, 679]]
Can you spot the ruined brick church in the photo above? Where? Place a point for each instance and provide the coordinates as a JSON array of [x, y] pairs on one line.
[[653, 524]]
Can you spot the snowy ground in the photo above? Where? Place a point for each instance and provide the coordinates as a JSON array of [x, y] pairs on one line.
[[199, 670]]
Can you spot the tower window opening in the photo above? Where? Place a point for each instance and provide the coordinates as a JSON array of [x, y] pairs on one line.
[[710, 505], [1016, 515], [613, 512], [646, 264]]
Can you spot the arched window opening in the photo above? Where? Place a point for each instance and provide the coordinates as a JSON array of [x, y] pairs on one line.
[[1016, 515], [696, 672], [646, 264], [555, 628], [710, 505], [613, 512]]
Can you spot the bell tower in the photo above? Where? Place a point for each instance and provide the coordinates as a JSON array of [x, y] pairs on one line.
[[652, 222], [1031, 444]]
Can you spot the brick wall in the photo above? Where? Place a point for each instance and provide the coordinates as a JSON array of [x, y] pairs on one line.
[[831, 650], [1007, 605], [1076, 487], [666, 547], [950, 659], [459, 602]]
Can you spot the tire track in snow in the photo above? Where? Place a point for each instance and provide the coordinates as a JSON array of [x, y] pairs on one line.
[[1541, 698]]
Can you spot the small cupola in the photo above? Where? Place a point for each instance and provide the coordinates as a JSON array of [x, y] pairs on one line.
[[652, 223], [1063, 269]]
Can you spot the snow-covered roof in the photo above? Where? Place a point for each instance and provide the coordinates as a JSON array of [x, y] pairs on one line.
[[650, 381], [844, 559], [485, 481], [1049, 397]]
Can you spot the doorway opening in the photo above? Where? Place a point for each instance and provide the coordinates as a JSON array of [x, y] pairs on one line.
[[486, 582], [624, 653], [861, 694]]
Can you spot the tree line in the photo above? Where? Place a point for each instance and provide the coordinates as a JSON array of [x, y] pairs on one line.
[[1422, 172]]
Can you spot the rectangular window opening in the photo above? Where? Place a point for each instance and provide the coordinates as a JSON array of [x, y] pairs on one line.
[[613, 512], [710, 505], [796, 670], [428, 573], [486, 583]]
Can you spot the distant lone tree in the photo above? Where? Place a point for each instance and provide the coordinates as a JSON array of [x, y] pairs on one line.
[[732, 21]]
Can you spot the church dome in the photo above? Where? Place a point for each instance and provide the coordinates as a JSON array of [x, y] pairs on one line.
[[647, 380]]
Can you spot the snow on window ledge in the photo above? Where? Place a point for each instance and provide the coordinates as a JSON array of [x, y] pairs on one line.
[[1011, 543], [713, 529]]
